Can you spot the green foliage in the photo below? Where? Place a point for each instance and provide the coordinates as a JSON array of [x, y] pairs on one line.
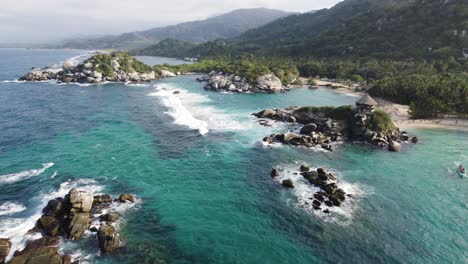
[[427, 95], [342, 113], [312, 82], [391, 29], [245, 66], [103, 63], [169, 48], [381, 122]]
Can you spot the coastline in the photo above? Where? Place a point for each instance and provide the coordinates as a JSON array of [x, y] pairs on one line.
[[399, 112]]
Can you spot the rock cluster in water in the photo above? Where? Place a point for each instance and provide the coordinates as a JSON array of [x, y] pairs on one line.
[[325, 126], [267, 83], [114, 67], [329, 193], [69, 218], [318, 130]]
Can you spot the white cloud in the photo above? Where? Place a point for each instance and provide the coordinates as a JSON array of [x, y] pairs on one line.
[[43, 20]]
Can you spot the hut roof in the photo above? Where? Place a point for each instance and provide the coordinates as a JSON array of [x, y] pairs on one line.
[[367, 100]]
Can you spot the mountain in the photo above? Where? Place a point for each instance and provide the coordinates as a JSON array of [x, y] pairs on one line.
[[374, 28], [227, 25], [168, 48]]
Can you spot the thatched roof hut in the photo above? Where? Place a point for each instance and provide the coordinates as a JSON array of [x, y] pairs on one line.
[[366, 103], [367, 100]]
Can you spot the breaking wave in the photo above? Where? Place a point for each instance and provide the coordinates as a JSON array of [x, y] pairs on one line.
[[191, 110], [22, 175]]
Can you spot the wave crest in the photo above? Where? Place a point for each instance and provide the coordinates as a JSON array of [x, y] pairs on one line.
[[22, 175]]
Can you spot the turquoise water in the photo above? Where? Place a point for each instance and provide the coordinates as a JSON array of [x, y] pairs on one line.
[[196, 162]]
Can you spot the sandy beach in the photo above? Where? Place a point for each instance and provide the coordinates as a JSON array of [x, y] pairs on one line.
[[399, 113]]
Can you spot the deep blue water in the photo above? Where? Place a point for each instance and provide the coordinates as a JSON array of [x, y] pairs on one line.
[[196, 162]]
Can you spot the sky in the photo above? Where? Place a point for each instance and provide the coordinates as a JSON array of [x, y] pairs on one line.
[[44, 21]]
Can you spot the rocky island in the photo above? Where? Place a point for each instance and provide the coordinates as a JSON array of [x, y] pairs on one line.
[[70, 217], [324, 126], [113, 67], [327, 192]]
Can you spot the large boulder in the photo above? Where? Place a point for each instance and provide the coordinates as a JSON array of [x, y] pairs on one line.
[[49, 225], [55, 208], [308, 129], [79, 223], [274, 173], [5, 247], [115, 65], [288, 183], [269, 83], [123, 198], [102, 199], [79, 201], [42, 251], [68, 65], [394, 146], [108, 238], [96, 75], [288, 137], [88, 66], [166, 74], [110, 217]]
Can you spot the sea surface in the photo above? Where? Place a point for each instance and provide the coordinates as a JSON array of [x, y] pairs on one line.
[[197, 164]]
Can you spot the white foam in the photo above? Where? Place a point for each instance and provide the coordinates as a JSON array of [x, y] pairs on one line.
[[54, 175], [13, 81], [192, 110], [137, 84], [10, 208], [303, 191], [14, 177]]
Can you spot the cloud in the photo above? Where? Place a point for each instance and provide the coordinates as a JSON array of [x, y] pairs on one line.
[[49, 20]]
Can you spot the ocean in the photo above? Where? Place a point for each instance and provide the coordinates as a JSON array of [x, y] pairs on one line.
[[197, 164]]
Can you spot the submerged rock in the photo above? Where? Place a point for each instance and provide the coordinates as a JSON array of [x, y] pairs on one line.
[[123, 198], [288, 183], [274, 173], [394, 146]]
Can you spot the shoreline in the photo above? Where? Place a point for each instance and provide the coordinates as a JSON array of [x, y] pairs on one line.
[[399, 112]]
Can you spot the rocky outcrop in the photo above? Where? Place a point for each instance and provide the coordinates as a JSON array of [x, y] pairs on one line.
[[167, 74], [329, 194], [288, 183], [5, 247], [219, 81], [41, 251], [109, 239], [269, 83], [325, 126], [123, 198], [69, 218], [318, 131], [114, 67]]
